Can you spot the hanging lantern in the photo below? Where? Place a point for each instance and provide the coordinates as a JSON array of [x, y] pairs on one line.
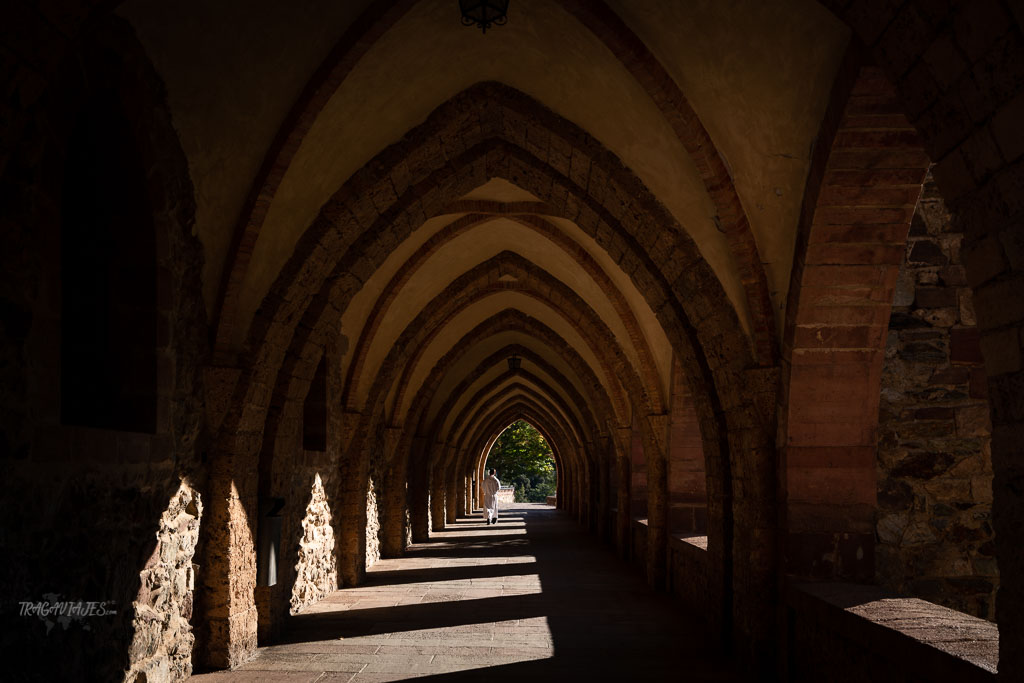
[[514, 362], [484, 13]]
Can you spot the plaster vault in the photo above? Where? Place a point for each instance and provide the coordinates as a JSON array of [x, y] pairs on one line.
[[759, 357]]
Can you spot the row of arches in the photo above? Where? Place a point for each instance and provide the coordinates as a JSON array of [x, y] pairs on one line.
[[497, 226]]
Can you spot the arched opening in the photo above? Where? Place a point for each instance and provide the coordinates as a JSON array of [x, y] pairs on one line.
[[524, 461], [108, 276], [695, 248]]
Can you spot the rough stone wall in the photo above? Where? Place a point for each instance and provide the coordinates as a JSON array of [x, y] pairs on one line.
[[161, 648], [86, 509], [935, 538], [316, 572]]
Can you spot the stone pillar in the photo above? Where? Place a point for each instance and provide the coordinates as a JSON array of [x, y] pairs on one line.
[[623, 439], [353, 471], [229, 577], [687, 479], [454, 494], [605, 458], [419, 491], [394, 503], [437, 496], [656, 447]]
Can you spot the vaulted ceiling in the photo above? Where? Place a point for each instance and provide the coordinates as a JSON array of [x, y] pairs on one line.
[[713, 106]]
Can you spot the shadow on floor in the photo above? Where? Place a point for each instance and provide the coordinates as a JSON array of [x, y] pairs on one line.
[[533, 599], [602, 621]]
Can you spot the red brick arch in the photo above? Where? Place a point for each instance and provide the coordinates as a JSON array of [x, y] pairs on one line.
[[958, 70], [866, 177]]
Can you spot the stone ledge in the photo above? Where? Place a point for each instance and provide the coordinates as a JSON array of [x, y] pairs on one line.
[[694, 540], [909, 638]]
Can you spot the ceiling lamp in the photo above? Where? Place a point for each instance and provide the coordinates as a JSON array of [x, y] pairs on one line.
[[514, 362], [484, 13]]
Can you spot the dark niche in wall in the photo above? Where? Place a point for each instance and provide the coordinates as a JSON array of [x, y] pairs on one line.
[[108, 277], [314, 411]]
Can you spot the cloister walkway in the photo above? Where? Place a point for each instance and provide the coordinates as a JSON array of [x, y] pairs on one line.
[[531, 598]]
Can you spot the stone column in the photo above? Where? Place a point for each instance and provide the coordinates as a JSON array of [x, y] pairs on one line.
[[656, 448], [353, 477], [419, 491], [229, 577], [394, 503], [437, 494], [623, 439], [455, 493]]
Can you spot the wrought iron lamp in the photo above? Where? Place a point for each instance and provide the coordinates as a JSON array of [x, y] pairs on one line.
[[484, 13], [514, 362]]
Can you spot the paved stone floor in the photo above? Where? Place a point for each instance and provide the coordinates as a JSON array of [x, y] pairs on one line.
[[534, 597]]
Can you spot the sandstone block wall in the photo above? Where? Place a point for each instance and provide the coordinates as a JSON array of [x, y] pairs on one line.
[[934, 532]]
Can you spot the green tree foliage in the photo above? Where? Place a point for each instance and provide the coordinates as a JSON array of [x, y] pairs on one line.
[[523, 460]]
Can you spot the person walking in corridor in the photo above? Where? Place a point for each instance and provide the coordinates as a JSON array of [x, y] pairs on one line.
[[490, 489]]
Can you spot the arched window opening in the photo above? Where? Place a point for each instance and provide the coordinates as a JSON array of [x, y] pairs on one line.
[[525, 462], [314, 411], [108, 277]]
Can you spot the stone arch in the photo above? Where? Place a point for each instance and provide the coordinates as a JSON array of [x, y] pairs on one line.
[[964, 109], [487, 432], [485, 279], [631, 52], [543, 227], [864, 185], [552, 427], [498, 357], [511, 379], [413, 179], [509, 320], [731, 215]]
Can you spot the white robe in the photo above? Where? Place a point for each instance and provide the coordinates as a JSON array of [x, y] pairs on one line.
[[490, 488]]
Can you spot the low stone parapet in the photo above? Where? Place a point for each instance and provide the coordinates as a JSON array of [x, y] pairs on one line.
[[688, 571], [849, 633]]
